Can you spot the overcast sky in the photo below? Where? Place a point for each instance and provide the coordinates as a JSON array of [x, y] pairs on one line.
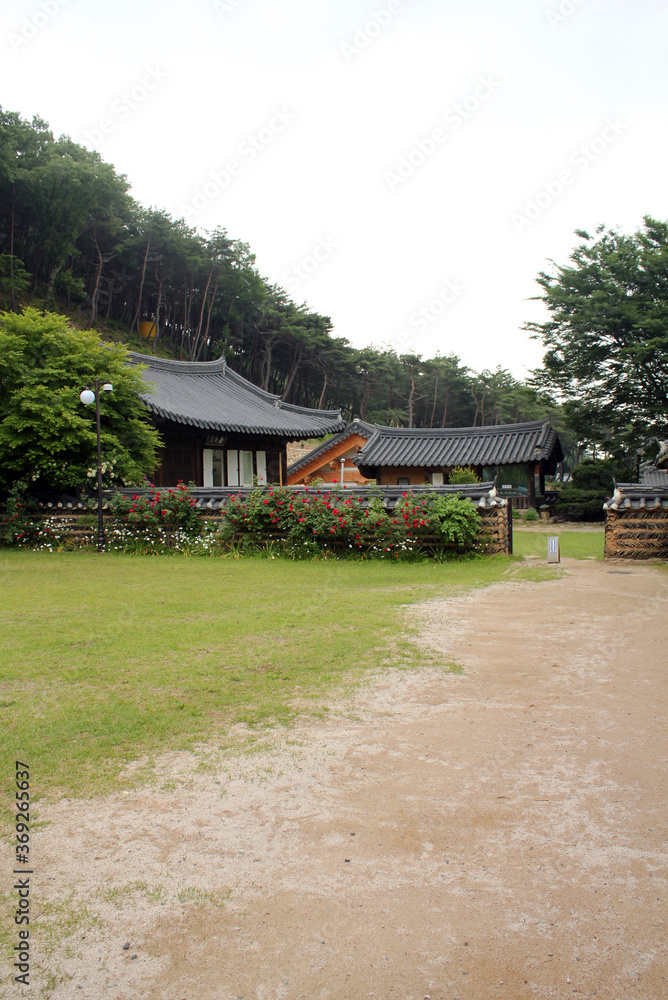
[[406, 167]]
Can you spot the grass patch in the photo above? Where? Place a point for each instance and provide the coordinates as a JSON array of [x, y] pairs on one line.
[[112, 659], [572, 544]]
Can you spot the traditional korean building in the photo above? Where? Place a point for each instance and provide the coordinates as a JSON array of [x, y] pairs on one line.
[[324, 462], [408, 456], [218, 428]]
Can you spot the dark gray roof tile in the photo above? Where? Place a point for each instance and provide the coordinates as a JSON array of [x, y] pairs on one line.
[[655, 477], [208, 394], [500, 444], [638, 496]]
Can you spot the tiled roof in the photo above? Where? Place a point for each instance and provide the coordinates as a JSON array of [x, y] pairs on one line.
[[654, 477], [210, 395], [638, 496], [500, 444], [356, 427]]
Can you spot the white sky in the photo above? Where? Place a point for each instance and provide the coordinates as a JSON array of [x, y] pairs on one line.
[[333, 95]]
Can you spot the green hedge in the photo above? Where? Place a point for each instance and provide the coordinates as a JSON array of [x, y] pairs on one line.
[[581, 505]]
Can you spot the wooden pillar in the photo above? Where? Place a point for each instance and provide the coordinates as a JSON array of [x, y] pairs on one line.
[[531, 485], [541, 478], [509, 512]]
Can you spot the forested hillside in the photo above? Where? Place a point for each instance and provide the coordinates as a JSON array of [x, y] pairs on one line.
[[73, 239]]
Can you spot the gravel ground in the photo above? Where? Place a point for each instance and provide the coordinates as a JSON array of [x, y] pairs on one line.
[[500, 833]]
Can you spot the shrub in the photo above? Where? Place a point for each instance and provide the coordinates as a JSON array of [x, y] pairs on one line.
[[599, 474], [581, 505], [159, 511], [19, 528], [314, 519], [461, 474], [300, 524], [531, 514], [320, 521]]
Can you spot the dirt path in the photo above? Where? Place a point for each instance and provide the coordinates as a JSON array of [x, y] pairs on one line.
[[497, 834]]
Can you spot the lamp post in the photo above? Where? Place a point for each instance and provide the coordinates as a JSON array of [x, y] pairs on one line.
[[87, 397]]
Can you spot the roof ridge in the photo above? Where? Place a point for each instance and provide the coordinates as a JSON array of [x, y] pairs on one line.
[[295, 408], [174, 365], [444, 431]]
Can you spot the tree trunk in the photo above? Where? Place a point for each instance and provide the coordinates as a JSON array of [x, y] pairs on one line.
[[205, 339], [51, 282], [433, 410], [477, 408], [157, 316], [195, 350], [135, 320], [445, 408], [96, 284], [322, 394], [11, 249], [267, 363], [293, 371], [365, 399], [411, 397]]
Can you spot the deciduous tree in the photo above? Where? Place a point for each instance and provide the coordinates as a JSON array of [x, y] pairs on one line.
[[607, 337], [46, 433]]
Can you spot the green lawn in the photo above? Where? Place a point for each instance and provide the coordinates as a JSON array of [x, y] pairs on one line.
[[572, 544], [107, 659]]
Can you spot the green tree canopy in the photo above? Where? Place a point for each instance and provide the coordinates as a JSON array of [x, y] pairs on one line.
[[46, 433], [607, 337]]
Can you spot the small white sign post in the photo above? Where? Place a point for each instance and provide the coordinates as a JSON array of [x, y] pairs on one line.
[[553, 549]]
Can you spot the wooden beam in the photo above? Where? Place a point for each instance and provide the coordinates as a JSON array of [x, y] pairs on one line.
[[531, 484]]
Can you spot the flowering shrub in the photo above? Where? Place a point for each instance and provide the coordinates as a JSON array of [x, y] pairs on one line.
[[314, 519], [317, 521], [18, 528], [450, 519], [133, 541], [159, 512], [52, 534], [306, 523]]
